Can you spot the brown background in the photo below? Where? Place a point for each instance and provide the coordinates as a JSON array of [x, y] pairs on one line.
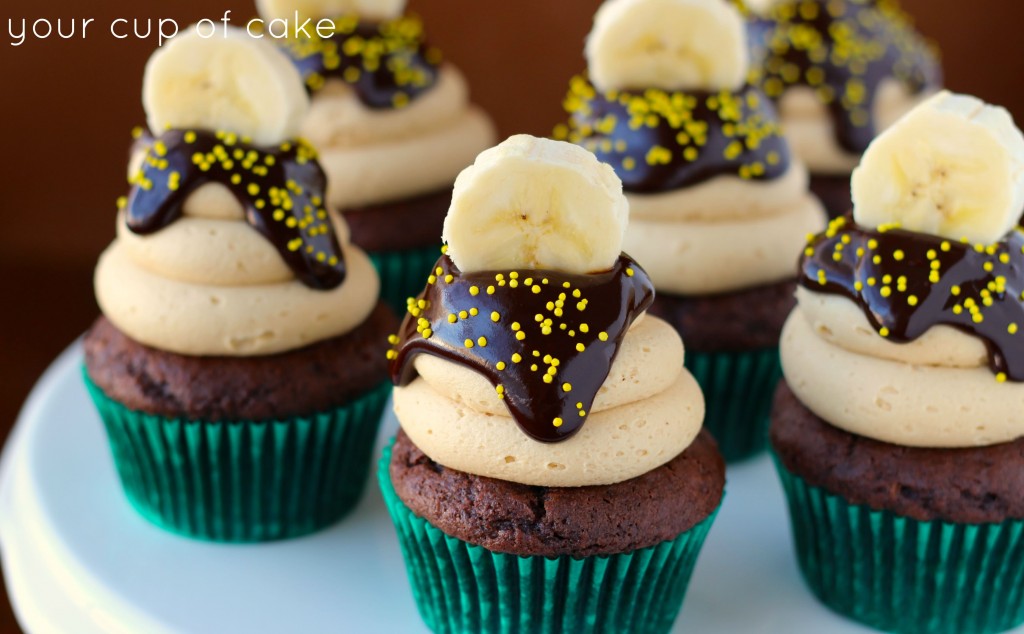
[[67, 108]]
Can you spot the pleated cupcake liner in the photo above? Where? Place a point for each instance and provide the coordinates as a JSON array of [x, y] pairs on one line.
[[463, 588], [403, 274], [900, 575], [738, 391], [243, 481]]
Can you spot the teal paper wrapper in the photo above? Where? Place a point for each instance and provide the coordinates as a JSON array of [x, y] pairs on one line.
[[403, 274], [900, 575], [463, 588], [738, 391], [243, 481]]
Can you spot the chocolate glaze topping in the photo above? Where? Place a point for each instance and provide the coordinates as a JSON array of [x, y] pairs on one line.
[[545, 340], [281, 190], [387, 64], [660, 141], [843, 50], [907, 282]]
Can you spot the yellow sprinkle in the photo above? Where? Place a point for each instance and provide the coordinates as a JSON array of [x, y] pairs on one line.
[[463, 314], [548, 378], [580, 347], [898, 254], [473, 312], [453, 318], [490, 290], [469, 343], [520, 335], [482, 342], [516, 358], [566, 387], [603, 336], [495, 317], [516, 326], [1012, 329], [955, 290], [393, 340], [557, 422], [629, 272], [584, 328], [474, 291], [536, 290], [1001, 377], [449, 278], [500, 365], [884, 331], [500, 389], [912, 300]]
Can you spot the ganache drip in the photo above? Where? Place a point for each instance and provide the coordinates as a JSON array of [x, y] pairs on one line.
[[843, 50], [545, 340], [908, 282], [387, 64], [281, 190], [660, 141]]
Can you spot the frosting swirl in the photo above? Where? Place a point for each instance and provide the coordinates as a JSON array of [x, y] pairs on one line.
[[566, 328], [906, 283], [282, 190]]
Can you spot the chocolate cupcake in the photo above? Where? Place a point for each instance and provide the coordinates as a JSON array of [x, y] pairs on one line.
[[897, 430], [841, 72], [719, 207], [393, 125], [551, 473], [238, 365]]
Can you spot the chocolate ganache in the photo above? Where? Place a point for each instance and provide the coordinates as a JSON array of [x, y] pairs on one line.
[[908, 282], [843, 50], [660, 141], [545, 340], [280, 188], [387, 64]]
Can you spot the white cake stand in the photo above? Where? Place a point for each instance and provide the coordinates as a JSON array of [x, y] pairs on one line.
[[78, 559]]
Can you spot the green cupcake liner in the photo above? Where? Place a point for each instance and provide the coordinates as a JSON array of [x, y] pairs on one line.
[[738, 391], [243, 481], [900, 575], [463, 588], [403, 274]]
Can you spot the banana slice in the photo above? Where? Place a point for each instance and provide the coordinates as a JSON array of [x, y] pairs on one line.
[[536, 204], [318, 9], [668, 44], [230, 82], [952, 167]]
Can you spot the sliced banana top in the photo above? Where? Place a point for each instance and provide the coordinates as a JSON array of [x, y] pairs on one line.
[[231, 82], [318, 9], [953, 167], [668, 44], [533, 203]]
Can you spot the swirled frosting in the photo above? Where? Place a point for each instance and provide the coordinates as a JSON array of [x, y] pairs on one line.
[[507, 359], [390, 119], [908, 338], [717, 203], [205, 279]]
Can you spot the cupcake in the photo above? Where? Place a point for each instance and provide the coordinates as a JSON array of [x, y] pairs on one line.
[[551, 473], [719, 208], [394, 127], [898, 429], [841, 71], [237, 365]]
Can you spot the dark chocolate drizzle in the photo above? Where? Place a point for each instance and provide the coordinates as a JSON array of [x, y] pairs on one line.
[[843, 49], [281, 189], [908, 282], [387, 64], [457, 309], [659, 141]]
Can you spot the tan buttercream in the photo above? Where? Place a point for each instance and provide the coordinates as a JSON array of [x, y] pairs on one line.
[[613, 446], [649, 361], [205, 319], [841, 322], [895, 402], [811, 132], [723, 197], [705, 257], [408, 167]]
